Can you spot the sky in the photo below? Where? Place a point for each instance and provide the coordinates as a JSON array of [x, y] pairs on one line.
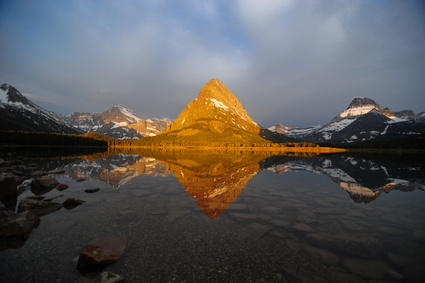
[[297, 62]]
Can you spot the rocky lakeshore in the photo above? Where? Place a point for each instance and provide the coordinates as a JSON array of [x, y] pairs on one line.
[[19, 216]]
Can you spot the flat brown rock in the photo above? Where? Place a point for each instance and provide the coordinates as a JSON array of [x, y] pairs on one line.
[[102, 251]]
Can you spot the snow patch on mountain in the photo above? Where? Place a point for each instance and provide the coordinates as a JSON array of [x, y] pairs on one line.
[[357, 111], [129, 114], [218, 104]]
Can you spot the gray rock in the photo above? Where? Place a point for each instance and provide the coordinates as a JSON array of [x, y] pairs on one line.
[[92, 190]]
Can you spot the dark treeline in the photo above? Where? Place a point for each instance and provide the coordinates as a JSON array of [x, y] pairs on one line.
[[21, 138], [416, 142], [48, 139]]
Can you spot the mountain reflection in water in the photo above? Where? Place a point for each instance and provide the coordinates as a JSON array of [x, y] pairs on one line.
[[215, 178]]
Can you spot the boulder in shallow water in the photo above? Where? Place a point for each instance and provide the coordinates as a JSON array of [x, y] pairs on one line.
[[43, 184], [16, 228], [102, 251]]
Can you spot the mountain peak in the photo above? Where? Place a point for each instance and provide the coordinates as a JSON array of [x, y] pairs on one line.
[[14, 96], [217, 92], [360, 106], [215, 104], [360, 101], [120, 115]]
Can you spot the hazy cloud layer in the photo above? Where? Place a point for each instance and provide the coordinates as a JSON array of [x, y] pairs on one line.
[[295, 62]]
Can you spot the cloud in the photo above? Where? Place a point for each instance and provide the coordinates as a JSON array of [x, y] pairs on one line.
[[295, 62]]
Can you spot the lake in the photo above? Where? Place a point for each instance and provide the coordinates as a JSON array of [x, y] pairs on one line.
[[228, 217]]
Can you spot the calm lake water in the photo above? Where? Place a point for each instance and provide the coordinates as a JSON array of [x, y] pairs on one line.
[[231, 217]]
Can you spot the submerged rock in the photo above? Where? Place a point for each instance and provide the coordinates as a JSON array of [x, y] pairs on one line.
[[109, 277], [61, 187], [16, 228], [92, 190], [71, 203], [102, 251], [38, 207]]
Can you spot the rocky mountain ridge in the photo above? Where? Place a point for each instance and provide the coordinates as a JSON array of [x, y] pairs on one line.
[[117, 122], [363, 120], [215, 110], [17, 112]]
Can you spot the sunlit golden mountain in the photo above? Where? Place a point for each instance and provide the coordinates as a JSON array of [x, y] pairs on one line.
[[216, 118]]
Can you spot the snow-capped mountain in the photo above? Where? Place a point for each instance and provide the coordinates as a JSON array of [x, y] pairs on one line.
[[19, 113], [293, 132], [119, 125], [120, 115], [117, 122], [159, 124], [363, 120], [115, 130]]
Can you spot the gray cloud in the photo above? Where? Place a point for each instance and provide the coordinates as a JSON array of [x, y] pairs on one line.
[[295, 62]]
